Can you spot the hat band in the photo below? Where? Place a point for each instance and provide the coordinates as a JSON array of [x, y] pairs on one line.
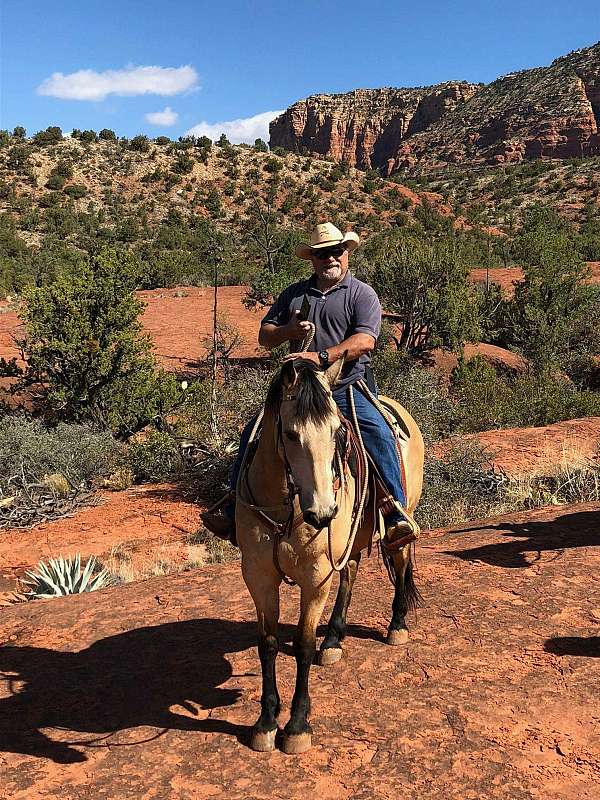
[[328, 241]]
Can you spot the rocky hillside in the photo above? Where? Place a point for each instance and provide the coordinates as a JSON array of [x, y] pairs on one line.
[[364, 128], [548, 112]]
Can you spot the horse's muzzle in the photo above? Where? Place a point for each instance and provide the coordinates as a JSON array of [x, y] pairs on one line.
[[319, 521]]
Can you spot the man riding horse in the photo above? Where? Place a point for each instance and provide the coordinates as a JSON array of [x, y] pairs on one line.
[[346, 314]]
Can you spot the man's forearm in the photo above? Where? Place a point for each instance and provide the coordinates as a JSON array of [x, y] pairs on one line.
[[354, 347], [271, 336]]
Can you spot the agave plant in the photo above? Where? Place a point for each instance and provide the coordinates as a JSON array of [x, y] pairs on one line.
[[62, 576]]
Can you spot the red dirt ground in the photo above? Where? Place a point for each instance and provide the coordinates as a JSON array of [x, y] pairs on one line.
[[144, 522], [507, 277], [151, 522], [147, 690]]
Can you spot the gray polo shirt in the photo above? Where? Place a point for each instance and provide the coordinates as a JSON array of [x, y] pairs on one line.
[[350, 307]]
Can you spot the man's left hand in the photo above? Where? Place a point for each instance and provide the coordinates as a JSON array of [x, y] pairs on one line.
[[314, 357]]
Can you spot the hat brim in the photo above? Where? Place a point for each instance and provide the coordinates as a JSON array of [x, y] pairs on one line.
[[350, 240]]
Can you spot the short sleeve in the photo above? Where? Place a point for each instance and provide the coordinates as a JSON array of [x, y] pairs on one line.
[[367, 312], [279, 313]]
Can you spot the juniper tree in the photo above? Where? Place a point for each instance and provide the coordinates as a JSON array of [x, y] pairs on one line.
[[86, 357], [426, 284]]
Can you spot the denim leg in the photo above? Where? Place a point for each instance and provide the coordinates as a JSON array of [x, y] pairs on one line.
[[379, 443]]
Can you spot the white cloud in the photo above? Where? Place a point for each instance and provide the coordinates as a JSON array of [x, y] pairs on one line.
[[237, 130], [165, 117], [86, 84]]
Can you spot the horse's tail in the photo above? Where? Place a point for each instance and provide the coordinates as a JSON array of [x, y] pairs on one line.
[[412, 596]]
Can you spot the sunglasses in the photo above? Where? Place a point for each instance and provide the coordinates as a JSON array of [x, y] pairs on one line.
[[324, 254]]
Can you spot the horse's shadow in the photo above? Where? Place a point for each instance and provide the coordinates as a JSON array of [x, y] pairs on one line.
[[579, 529], [124, 681]]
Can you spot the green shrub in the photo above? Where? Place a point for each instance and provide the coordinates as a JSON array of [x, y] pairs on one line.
[[426, 282], [455, 488], [55, 181], [29, 451], [140, 144], [488, 399], [419, 390], [156, 458], [51, 135], [85, 346], [76, 191]]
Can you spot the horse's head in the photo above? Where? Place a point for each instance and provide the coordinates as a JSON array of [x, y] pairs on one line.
[[301, 401]]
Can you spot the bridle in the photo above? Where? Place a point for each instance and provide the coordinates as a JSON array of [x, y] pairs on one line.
[[339, 464]]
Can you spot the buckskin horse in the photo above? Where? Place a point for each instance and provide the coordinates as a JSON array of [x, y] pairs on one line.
[[294, 519]]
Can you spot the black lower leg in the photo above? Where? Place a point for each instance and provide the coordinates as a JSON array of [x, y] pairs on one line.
[[304, 650], [336, 628], [269, 702], [406, 595]]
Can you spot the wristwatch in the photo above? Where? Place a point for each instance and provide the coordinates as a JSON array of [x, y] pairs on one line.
[[324, 358]]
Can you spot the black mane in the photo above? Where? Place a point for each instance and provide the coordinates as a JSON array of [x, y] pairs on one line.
[[312, 402]]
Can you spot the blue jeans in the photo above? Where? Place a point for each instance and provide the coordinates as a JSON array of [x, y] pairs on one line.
[[377, 437]]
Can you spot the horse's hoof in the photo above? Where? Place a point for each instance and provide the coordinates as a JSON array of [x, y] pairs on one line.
[[331, 655], [397, 637], [295, 744], [263, 741]]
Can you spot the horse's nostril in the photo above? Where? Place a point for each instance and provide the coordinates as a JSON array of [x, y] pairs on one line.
[[320, 522]]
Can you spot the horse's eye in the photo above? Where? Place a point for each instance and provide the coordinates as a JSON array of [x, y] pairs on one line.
[[292, 436]]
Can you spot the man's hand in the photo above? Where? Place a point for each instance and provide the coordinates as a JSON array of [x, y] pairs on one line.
[[297, 328], [271, 335], [314, 357]]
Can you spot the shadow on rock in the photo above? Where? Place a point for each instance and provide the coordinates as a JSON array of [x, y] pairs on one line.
[[120, 682], [534, 537], [588, 646]]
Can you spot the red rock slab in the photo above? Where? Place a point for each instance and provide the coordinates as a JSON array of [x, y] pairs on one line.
[[446, 361], [520, 451], [144, 518], [148, 690]]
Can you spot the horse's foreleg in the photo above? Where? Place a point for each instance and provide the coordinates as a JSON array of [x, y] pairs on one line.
[[297, 733], [331, 646], [406, 597], [265, 593]]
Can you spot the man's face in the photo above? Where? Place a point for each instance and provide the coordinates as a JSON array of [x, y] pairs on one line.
[[331, 263]]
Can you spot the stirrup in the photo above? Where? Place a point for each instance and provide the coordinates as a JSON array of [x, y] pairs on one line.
[[412, 533], [228, 497]]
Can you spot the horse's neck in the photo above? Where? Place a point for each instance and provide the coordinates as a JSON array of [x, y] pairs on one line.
[[266, 474]]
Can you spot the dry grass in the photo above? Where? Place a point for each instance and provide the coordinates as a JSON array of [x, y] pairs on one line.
[[217, 551], [569, 482]]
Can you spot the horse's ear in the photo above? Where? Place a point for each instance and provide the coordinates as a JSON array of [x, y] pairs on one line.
[[333, 372], [289, 374]]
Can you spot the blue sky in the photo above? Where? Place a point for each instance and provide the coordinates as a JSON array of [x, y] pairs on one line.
[[156, 67]]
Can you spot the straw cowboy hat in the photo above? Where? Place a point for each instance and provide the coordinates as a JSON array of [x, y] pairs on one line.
[[327, 235]]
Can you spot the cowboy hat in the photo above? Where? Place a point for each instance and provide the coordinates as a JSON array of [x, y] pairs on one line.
[[327, 235]]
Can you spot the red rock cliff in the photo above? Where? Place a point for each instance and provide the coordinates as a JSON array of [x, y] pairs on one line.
[[365, 127], [547, 112]]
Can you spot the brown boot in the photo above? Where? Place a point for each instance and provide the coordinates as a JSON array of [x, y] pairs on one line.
[[219, 524], [399, 534]]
